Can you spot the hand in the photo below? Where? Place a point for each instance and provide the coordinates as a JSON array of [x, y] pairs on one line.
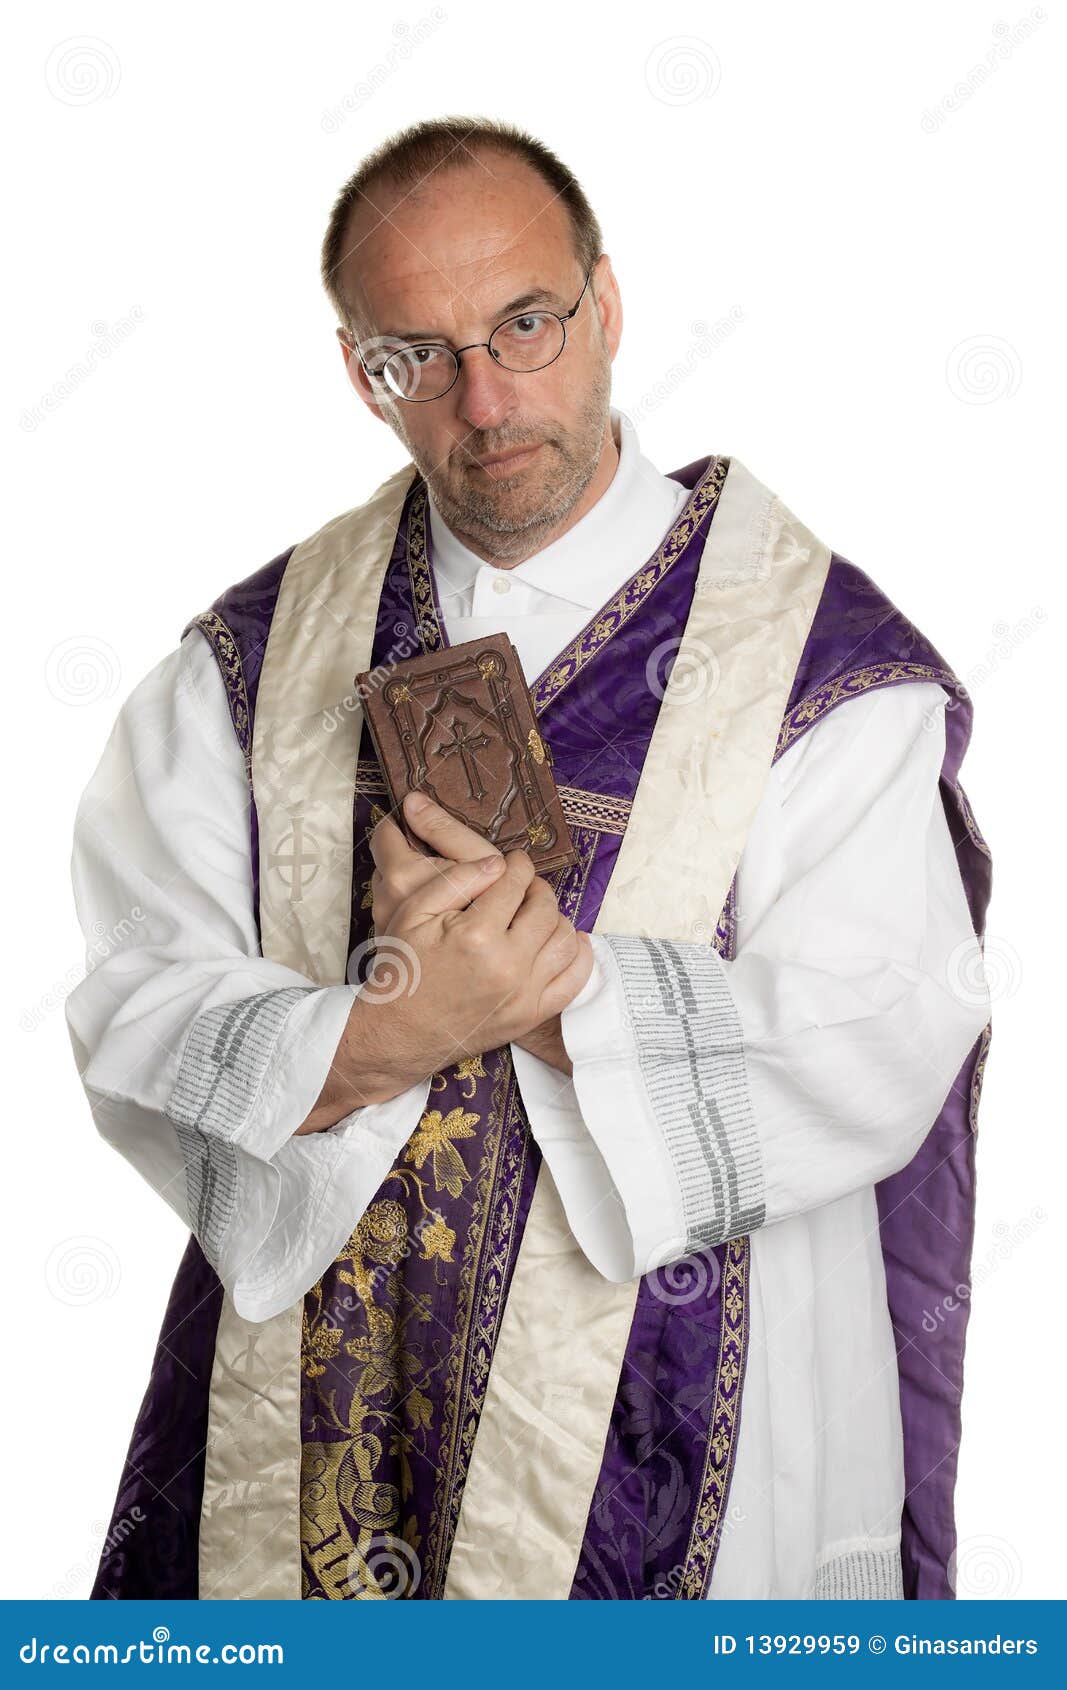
[[486, 954], [399, 871], [453, 842], [546, 1041]]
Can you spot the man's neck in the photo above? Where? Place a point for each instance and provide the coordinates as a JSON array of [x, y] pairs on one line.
[[519, 547]]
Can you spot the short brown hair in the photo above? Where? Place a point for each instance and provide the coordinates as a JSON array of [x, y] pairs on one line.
[[412, 155]]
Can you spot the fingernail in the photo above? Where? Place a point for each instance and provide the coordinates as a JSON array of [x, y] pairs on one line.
[[416, 801], [492, 865]]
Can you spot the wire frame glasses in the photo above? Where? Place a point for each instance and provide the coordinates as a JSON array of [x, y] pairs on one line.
[[416, 373]]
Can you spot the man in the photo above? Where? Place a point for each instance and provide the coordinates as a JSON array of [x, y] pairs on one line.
[[575, 1236]]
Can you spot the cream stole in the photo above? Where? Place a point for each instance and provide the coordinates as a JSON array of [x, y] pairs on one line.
[[552, 1385]]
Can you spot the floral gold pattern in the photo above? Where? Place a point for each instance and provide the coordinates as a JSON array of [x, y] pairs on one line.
[[434, 1136]]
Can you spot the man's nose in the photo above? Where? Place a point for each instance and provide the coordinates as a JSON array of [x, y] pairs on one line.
[[486, 391]]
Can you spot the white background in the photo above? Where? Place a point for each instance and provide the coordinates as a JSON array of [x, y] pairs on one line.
[[834, 229]]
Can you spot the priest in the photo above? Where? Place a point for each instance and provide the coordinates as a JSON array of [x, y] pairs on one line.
[[568, 1237]]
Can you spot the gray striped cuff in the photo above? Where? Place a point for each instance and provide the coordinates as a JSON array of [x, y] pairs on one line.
[[690, 1048], [861, 1575], [220, 1076]]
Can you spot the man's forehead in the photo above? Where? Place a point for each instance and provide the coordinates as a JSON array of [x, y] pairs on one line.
[[457, 252], [411, 293]]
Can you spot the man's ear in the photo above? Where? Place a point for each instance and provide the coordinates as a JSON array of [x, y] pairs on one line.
[[608, 303], [357, 375]]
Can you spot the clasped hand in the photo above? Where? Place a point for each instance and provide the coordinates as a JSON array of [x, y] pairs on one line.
[[488, 957]]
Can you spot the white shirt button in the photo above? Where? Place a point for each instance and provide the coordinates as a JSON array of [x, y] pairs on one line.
[[501, 584]]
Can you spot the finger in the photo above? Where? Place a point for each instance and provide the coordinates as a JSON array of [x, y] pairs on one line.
[[538, 915], [564, 987], [442, 832], [450, 886], [390, 849], [496, 906], [557, 951]]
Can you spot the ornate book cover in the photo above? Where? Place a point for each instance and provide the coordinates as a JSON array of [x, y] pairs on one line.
[[459, 725]]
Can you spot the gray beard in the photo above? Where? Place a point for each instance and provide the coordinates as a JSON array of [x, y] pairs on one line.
[[478, 515]]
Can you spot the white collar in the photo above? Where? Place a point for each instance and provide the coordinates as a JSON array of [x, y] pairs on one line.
[[585, 565]]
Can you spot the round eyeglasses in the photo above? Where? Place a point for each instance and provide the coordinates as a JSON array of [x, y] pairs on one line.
[[530, 341]]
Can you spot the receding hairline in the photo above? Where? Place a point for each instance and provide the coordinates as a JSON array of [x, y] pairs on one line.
[[410, 161], [365, 207]]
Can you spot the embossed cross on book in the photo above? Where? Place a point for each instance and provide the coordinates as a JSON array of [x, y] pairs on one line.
[[459, 725]]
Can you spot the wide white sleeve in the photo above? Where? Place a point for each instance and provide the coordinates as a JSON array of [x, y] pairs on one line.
[[711, 1097], [199, 1056]]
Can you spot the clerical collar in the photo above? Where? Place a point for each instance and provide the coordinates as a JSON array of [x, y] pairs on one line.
[[582, 567]]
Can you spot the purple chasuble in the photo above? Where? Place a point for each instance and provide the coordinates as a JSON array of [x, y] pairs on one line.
[[399, 1332]]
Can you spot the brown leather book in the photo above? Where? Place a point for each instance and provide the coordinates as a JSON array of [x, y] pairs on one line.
[[459, 725]]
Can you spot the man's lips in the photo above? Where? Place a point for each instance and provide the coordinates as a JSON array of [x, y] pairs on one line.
[[501, 462]]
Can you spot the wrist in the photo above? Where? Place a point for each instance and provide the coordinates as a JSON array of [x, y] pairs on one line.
[[366, 1068]]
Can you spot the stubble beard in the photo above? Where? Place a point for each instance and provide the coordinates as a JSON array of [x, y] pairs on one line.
[[506, 518]]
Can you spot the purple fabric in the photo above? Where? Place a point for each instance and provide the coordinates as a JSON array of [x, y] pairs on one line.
[[413, 1474], [368, 1305], [152, 1542], [247, 609], [857, 632]]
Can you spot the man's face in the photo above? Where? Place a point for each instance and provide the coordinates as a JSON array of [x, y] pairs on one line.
[[445, 262]]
